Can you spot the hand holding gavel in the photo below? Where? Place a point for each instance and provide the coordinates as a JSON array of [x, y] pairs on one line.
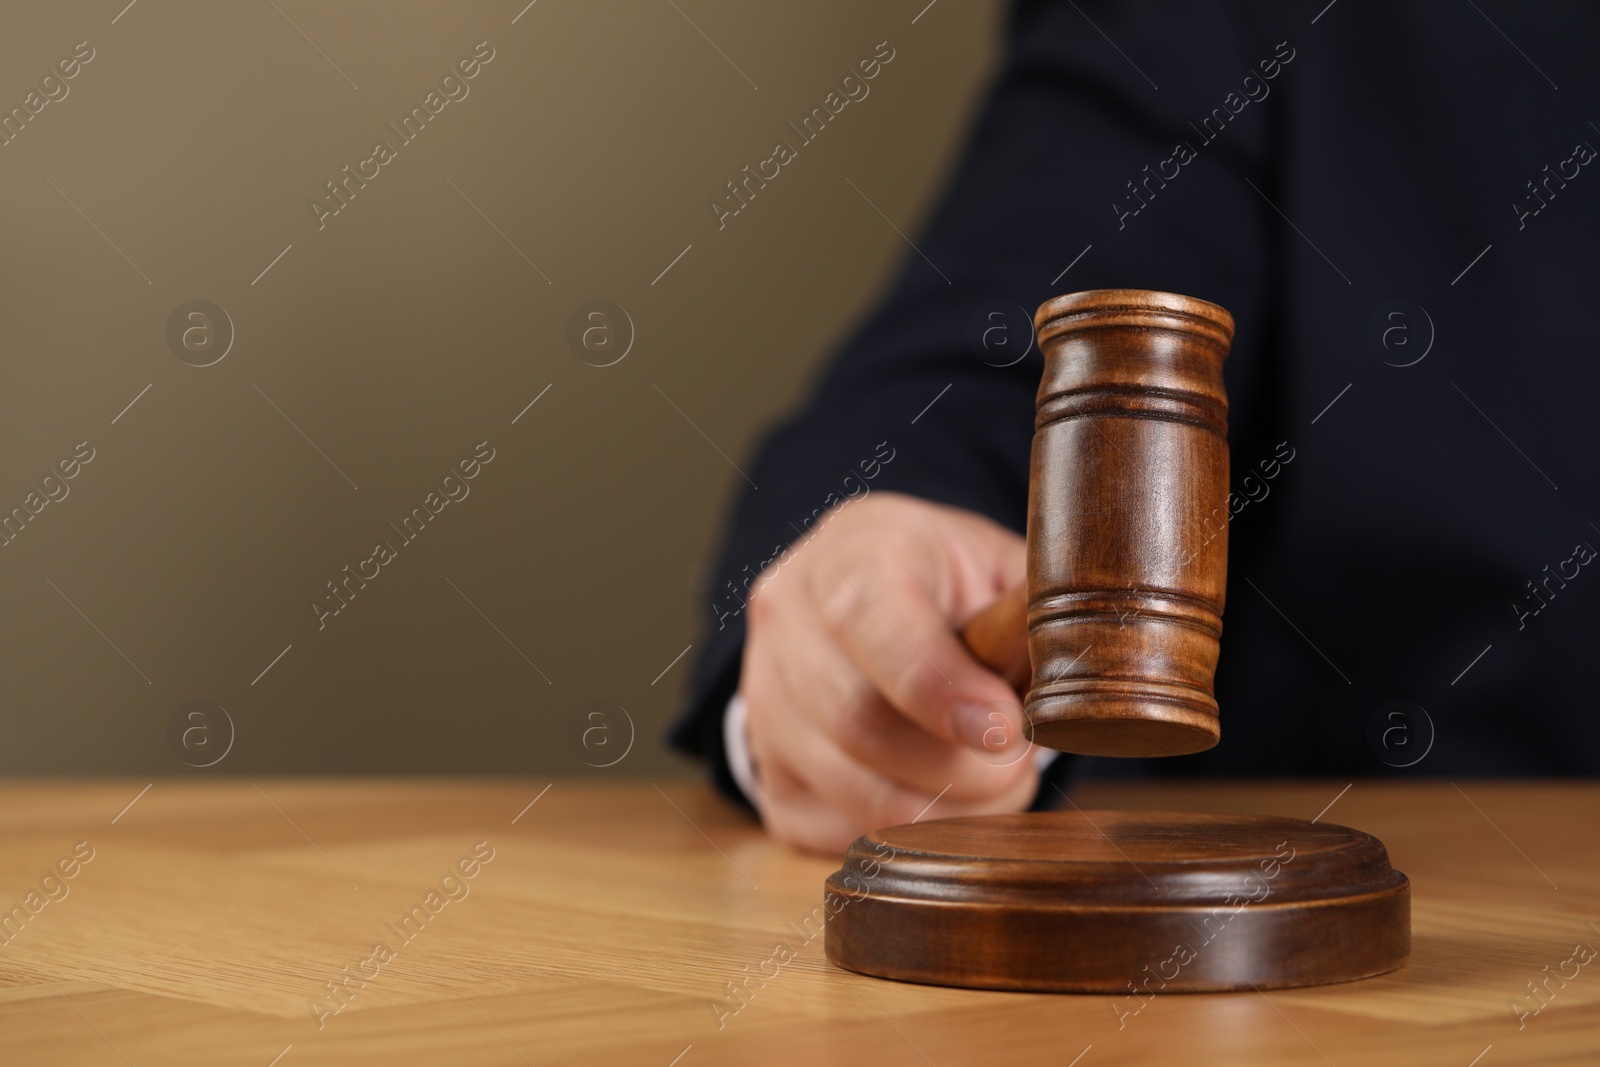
[[864, 706]]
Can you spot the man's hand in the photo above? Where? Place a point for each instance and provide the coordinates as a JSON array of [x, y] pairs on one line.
[[864, 706]]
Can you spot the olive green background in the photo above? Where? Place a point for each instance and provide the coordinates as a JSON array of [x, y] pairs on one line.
[[189, 551]]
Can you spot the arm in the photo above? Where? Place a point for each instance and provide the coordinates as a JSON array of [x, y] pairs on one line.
[[1045, 175]]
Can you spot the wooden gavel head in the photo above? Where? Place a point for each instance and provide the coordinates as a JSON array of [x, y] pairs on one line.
[[1127, 529]]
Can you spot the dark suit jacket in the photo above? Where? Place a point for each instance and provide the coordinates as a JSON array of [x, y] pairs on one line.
[[1402, 211]]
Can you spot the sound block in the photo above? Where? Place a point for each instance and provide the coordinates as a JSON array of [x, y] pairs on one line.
[[1119, 901]]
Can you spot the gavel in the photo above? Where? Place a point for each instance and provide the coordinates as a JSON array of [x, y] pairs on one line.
[[1113, 638], [1114, 635]]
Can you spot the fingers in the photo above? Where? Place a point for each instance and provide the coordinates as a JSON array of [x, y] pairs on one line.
[[899, 638], [802, 807], [821, 683], [812, 794], [985, 558], [865, 709], [865, 797], [796, 816], [819, 795]]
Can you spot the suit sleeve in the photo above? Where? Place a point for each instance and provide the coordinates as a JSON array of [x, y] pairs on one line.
[[1071, 179]]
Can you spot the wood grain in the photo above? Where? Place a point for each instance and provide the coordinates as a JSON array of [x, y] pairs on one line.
[[1133, 903], [1127, 523], [613, 917], [1113, 639]]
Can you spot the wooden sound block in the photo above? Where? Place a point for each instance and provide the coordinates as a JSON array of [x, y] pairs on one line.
[[1119, 902]]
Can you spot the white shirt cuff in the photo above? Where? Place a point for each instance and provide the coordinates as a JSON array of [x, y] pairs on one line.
[[736, 743]]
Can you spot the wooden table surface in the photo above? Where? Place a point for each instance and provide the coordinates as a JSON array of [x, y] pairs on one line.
[[606, 921]]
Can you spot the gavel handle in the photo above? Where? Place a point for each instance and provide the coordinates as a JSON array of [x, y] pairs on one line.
[[998, 637]]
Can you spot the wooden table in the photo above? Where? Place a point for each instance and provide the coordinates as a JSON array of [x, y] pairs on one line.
[[610, 918]]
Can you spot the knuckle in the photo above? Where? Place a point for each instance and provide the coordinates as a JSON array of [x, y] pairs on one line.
[[760, 609], [840, 604]]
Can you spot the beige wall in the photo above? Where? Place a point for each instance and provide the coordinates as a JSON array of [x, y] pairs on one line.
[[186, 554]]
